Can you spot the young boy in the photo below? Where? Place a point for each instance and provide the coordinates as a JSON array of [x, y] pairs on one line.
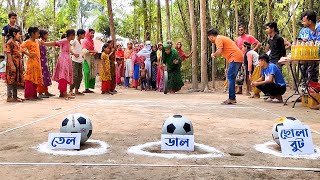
[[2, 68], [77, 61], [5, 31], [143, 77], [271, 80]]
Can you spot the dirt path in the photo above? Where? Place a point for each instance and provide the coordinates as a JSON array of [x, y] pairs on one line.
[[132, 117]]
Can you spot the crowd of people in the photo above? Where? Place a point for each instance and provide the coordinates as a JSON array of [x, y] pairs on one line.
[[139, 65], [142, 65], [262, 72]]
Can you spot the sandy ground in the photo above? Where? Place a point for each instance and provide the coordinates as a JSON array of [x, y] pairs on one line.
[[132, 117]]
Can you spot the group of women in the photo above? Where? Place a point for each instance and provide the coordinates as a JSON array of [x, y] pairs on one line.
[[157, 58]]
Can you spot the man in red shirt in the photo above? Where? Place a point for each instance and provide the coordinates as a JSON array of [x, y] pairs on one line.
[[243, 37]]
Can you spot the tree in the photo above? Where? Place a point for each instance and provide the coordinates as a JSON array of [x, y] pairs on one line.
[[184, 21], [194, 46], [251, 23], [145, 21], [236, 17], [311, 4], [269, 10], [111, 22], [168, 20], [159, 22], [203, 25]]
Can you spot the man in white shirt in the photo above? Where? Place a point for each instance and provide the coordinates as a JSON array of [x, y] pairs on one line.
[[77, 61]]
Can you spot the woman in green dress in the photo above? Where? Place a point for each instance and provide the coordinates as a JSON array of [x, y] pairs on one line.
[[172, 61]]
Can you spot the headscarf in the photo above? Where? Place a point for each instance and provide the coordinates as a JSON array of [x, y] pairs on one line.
[[153, 55], [128, 52], [177, 45], [87, 42], [181, 53], [141, 46], [166, 46]]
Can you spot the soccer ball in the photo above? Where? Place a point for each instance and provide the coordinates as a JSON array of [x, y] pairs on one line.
[[178, 125], [77, 123], [285, 121]]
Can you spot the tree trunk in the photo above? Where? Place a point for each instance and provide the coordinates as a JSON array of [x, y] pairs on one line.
[[145, 20], [111, 22], [194, 46], [203, 26], [213, 69], [269, 16], [184, 22], [251, 23], [294, 34], [311, 4], [236, 14], [159, 26], [168, 20]]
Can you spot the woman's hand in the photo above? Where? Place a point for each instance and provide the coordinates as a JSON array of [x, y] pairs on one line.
[[13, 68], [250, 77], [176, 61], [32, 55]]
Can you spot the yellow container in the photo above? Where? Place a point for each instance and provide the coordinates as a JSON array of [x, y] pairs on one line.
[[308, 101]]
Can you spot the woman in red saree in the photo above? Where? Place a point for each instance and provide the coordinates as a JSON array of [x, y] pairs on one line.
[[183, 56]]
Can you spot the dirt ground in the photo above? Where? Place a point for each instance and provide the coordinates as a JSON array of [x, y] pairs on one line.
[[132, 117]]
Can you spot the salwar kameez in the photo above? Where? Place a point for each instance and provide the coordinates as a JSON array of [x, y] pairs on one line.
[[89, 68], [89, 79], [33, 73]]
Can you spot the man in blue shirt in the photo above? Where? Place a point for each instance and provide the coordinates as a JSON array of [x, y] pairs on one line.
[[5, 31], [310, 32], [271, 80]]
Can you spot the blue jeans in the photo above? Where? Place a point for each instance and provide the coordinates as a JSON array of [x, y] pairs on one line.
[[231, 76]]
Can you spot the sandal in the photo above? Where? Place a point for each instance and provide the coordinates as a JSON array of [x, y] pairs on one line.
[[79, 93], [71, 97], [50, 95], [110, 93], [20, 99], [275, 100], [228, 102], [88, 91], [31, 99], [10, 100]]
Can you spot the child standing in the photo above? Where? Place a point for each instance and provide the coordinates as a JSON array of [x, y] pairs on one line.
[[77, 61], [144, 77], [128, 64], [118, 72], [112, 58], [2, 68], [43, 89], [14, 71], [105, 70], [63, 72], [33, 74], [120, 63], [136, 67]]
